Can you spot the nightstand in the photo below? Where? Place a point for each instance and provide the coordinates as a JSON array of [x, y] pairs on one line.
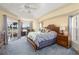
[[62, 40]]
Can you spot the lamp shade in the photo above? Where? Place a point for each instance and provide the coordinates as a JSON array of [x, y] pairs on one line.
[[62, 28]]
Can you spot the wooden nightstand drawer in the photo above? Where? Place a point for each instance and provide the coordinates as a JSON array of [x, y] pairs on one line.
[[62, 43], [62, 40]]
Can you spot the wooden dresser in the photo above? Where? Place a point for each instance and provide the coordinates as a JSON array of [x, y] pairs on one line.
[[1, 39], [62, 40]]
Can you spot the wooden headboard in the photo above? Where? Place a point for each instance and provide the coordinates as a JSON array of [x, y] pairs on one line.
[[53, 27]]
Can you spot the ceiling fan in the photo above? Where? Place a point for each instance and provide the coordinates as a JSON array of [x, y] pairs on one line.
[[30, 7]]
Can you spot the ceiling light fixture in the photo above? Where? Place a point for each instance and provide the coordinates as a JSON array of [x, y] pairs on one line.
[[30, 7]]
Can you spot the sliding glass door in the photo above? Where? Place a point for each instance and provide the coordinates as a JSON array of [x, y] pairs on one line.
[[74, 30]]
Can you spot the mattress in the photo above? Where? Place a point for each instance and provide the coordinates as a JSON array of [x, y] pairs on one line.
[[43, 39]]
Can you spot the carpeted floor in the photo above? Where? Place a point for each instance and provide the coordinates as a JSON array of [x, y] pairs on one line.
[[22, 47]]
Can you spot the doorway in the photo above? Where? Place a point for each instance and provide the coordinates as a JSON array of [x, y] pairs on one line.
[[12, 29]]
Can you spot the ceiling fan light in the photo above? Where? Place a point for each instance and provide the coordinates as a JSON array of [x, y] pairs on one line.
[[26, 6]]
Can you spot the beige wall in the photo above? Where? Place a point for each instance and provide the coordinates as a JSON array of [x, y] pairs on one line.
[[58, 21], [36, 25]]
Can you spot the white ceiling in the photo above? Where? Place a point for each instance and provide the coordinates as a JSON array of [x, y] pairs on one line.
[[42, 8]]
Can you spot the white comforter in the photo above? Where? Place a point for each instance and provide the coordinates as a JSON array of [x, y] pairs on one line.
[[39, 36]]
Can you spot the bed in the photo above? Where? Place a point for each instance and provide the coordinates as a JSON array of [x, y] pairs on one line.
[[40, 40]]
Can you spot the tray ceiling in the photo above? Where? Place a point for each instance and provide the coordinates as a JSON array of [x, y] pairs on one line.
[[30, 10]]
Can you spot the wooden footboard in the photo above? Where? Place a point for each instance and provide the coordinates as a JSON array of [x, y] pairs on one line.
[[32, 43]]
